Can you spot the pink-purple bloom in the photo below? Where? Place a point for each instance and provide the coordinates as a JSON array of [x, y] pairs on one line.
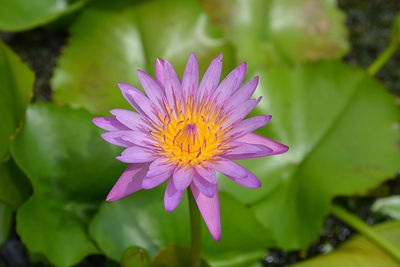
[[185, 132]]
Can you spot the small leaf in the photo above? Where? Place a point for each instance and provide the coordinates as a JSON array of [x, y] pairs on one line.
[[389, 206], [20, 15], [135, 257], [71, 169], [360, 252], [16, 84], [174, 255]]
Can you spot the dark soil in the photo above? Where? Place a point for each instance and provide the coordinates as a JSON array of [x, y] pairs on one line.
[[369, 32]]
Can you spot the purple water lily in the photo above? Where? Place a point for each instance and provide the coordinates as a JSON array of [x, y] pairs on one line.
[[185, 132]]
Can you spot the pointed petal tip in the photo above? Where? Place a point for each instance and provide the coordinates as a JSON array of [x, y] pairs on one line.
[[219, 57], [159, 61], [216, 236]]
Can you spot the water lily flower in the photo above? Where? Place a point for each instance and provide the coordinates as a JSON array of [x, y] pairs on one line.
[[185, 132]]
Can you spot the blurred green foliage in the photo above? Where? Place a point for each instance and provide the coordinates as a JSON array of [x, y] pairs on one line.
[[339, 123]]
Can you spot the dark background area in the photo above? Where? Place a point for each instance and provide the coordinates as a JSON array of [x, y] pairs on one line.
[[369, 32]]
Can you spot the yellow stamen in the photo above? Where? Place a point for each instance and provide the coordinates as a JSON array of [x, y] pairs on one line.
[[193, 136]]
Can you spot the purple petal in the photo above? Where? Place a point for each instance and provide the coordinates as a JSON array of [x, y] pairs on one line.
[[129, 137], [153, 181], [183, 177], [159, 166], [115, 139], [211, 78], [129, 182], [230, 84], [190, 79], [204, 186], [129, 118], [240, 112], [250, 181], [252, 138], [139, 101], [228, 167], [160, 71], [173, 87], [207, 173], [242, 94], [241, 150], [152, 89], [209, 209], [137, 154], [249, 125], [172, 196], [109, 124]]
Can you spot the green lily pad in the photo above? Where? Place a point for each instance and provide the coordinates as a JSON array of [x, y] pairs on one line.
[[360, 252], [340, 125], [281, 31], [20, 15], [71, 169], [140, 220], [16, 85], [15, 187], [108, 45]]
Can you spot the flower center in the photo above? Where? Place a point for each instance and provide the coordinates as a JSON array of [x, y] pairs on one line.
[[193, 136]]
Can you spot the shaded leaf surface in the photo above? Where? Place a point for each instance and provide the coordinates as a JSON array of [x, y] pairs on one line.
[[15, 187], [108, 45], [5, 221], [141, 220], [340, 126], [16, 83], [174, 255], [360, 252], [20, 15], [71, 170]]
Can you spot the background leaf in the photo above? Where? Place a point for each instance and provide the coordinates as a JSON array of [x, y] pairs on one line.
[[16, 83], [15, 187], [20, 15], [71, 169], [275, 32], [174, 255], [360, 252], [340, 126], [140, 220], [108, 45]]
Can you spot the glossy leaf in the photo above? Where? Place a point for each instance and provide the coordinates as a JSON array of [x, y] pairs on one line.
[[15, 187], [340, 125], [20, 15], [71, 170], [16, 83], [174, 255], [108, 45], [141, 220], [360, 252], [389, 206], [281, 31]]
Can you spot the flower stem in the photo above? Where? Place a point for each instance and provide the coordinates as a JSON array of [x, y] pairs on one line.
[[383, 57], [195, 229], [367, 231]]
